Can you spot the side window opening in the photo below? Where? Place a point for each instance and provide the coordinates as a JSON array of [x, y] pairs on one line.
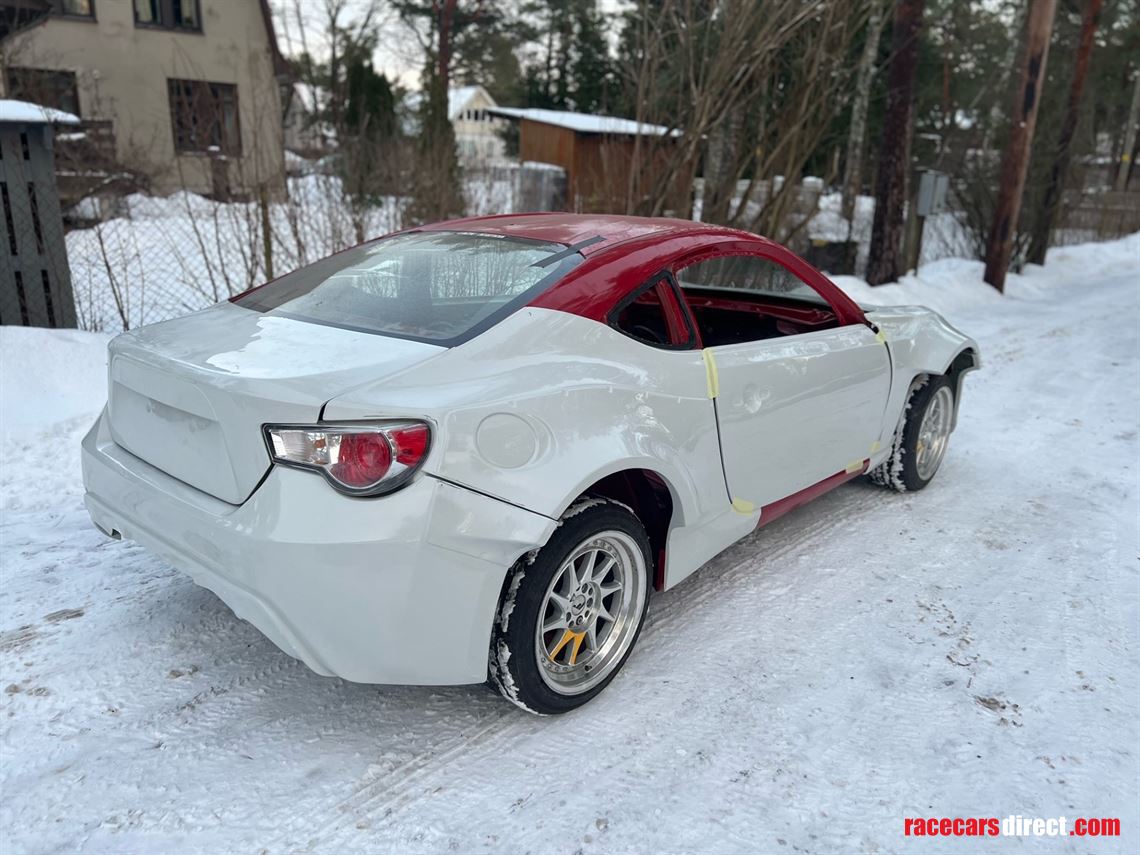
[[743, 298], [652, 315]]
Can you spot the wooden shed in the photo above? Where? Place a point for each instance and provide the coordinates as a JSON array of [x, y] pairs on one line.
[[35, 280], [599, 154]]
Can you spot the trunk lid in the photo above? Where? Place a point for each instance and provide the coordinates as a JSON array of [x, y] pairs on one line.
[[189, 396]]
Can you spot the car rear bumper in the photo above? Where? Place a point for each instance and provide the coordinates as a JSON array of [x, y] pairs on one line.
[[399, 589]]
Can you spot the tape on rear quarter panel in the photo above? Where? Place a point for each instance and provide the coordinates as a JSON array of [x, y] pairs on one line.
[[710, 373]]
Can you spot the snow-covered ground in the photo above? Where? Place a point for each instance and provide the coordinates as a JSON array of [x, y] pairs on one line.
[[971, 650]]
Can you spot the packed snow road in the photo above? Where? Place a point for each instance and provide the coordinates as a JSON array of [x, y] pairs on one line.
[[971, 650]]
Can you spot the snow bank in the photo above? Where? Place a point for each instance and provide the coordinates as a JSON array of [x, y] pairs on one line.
[[49, 376], [953, 285]]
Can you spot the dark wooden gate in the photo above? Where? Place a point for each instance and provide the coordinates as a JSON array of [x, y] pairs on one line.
[[35, 281]]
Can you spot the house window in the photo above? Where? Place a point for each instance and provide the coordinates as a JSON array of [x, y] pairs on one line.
[[74, 8], [204, 116], [168, 14], [44, 86]]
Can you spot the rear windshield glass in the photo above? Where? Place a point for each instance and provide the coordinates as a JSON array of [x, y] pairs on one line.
[[441, 287]]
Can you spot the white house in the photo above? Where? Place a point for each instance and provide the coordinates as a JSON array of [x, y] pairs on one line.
[[476, 130], [306, 131]]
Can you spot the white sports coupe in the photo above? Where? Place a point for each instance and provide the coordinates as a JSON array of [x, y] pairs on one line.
[[469, 451]]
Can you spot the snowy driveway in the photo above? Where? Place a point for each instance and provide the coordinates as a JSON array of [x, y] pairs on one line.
[[968, 651]]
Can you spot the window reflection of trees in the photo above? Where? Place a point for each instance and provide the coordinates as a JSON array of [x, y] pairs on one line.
[[744, 273], [448, 267]]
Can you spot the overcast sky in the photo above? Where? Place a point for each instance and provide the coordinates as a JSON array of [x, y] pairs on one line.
[[300, 25]]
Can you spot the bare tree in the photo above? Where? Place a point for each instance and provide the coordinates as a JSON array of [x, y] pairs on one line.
[[857, 135], [885, 258], [1015, 161], [738, 83]]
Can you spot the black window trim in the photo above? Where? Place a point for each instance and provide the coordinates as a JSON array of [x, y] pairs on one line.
[[653, 281], [60, 14], [162, 26], [13, 72], [236, 151]]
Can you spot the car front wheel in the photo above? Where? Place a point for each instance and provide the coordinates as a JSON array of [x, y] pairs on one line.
[[920, 441], [571, 612]]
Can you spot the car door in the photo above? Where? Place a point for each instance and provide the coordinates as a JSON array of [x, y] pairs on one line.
[[800, 392]]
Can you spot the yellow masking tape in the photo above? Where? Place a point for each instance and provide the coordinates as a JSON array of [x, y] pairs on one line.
[[854, 466], [710, 373], [742, 506], [880, 337], [875, 446]]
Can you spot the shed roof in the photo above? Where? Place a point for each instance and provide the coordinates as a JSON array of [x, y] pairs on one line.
[[585, 123]]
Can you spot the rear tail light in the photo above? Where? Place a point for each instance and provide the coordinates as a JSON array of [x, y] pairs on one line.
[[360, 460]]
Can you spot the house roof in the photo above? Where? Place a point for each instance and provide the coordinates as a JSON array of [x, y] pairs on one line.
[[281, 68], [458, 97], [584, 123], [29, 113], [312, 99]]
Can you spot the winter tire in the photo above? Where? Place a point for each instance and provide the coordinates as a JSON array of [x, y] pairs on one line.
[[920, 441], [571, 613]]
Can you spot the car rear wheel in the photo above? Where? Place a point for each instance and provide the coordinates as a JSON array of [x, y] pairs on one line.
[[921, 439], [570, 617]]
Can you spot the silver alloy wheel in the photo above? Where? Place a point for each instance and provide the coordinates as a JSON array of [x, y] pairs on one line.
[[934, 433], [590, 613]]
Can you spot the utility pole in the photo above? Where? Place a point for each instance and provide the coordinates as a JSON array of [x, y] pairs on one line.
[[1129, 138], [884, 260], [1015, 161], [1055, 190]]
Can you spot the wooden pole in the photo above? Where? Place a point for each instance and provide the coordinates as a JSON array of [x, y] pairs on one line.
[[1047, 218], [884, 260], [1015, 161]]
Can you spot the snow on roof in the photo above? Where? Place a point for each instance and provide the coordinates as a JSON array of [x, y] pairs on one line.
[[26, 111], [458, 97], [584, 123], [311, 98]]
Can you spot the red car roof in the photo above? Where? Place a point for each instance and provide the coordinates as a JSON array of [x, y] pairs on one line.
[[570, 229]]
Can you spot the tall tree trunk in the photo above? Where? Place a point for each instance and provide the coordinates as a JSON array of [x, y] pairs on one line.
[[857, 136], [436, 193], [1047, 218], [446, 19], [885, 261], [1129, 149], [720, 168], [1015, 161]]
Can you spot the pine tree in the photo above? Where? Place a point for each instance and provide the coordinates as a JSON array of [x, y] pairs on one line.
[[436, 184]]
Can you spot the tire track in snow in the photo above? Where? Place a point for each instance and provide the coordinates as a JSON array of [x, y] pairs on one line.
[[379, 801], [745, 562]]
